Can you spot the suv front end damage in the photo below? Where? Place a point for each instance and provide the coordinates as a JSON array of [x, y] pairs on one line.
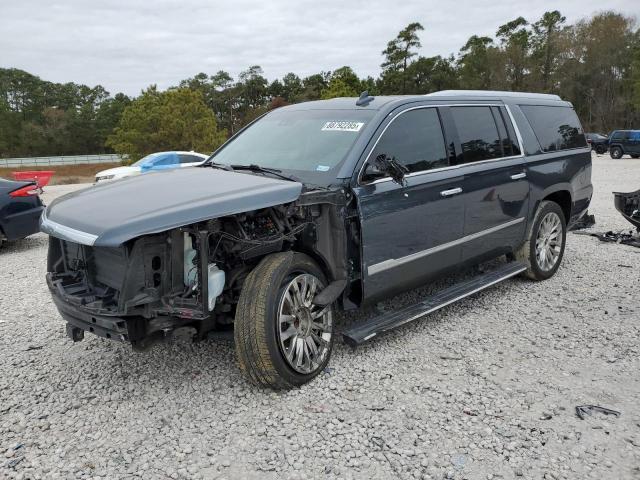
[[187, 277]]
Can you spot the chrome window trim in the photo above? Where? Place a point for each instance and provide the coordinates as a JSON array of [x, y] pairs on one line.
[[450, 167], [66, 233], [396, 262]]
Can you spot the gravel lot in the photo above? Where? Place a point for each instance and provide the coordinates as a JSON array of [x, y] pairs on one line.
[[483, 389]]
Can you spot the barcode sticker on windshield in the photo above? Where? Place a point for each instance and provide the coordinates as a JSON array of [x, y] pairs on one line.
[[343, 126]]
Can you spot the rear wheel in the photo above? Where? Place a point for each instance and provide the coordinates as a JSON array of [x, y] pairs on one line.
[[615, 152], [543, 250], [635, 155], [282, 339], [600, 149]]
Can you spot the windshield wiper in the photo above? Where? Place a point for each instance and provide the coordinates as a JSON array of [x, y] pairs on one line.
[[220, 166], [259, 169]]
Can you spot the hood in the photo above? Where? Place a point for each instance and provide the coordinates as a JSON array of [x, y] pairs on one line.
[[109, 214], [118, 171]]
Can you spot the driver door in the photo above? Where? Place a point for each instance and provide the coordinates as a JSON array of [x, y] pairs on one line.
[[410, 231]]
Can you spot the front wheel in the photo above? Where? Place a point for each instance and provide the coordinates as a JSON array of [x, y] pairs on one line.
[[282, 339], [543, 249], [600, 149], [615, 152]]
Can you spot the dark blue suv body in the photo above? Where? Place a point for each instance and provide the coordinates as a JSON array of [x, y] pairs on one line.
[[319, 207]]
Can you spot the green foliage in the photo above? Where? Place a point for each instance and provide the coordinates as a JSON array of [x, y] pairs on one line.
[[397, 58], [177, 119], [342, 83]]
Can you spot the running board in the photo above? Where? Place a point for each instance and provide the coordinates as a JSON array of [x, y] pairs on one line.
[[366, 330]]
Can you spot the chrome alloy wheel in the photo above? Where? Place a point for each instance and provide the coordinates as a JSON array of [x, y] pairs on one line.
[[304, 329], [549, 241]]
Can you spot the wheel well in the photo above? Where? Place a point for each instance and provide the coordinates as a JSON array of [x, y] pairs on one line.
[[562, 198]]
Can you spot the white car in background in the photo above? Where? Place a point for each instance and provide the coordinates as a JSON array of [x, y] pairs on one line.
[[154, 161]]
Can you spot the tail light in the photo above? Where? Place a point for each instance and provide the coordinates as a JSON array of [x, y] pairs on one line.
[[28, 191]]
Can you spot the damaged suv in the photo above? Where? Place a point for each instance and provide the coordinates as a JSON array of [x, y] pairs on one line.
[[319, 207]]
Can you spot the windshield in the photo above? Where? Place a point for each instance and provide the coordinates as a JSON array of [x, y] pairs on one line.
[[302, 141]]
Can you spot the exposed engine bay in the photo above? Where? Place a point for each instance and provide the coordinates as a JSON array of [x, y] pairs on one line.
[[192, 276]]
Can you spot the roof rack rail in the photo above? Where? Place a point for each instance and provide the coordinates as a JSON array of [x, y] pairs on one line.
[[492, 93]]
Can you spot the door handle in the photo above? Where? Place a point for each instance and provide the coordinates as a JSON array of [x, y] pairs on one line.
[[518, 176], [453, 191]]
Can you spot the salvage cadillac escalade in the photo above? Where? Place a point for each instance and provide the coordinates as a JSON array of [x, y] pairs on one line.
[[317, 207]]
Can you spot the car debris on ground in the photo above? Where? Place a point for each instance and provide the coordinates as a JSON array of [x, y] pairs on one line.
[[583, 410]]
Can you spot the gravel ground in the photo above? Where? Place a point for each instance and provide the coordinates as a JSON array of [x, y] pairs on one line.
[[483, 389]]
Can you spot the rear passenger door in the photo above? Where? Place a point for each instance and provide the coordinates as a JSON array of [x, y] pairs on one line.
[[495, 190]]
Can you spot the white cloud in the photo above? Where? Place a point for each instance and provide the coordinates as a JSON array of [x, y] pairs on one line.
[[125, 45]]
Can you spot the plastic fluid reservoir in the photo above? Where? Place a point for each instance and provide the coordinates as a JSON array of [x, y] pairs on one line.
[[216, 284]]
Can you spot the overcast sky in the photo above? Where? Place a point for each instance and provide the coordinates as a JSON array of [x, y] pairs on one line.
[[125, 45]]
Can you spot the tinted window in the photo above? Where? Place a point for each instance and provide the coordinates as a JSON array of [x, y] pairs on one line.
[[557, 128], [415, 139], [617, 135], [635, 135], [478, 134]]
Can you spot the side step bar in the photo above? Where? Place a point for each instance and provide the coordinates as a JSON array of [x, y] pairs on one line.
[[366, 330]]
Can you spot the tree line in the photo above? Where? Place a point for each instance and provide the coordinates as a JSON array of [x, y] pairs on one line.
[[594, 63]]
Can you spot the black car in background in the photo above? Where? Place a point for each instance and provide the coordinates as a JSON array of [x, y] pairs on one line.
[[20, 209], [624, 142], [598, 142]]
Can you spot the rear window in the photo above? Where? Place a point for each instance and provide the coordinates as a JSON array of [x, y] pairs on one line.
[[557, 128]]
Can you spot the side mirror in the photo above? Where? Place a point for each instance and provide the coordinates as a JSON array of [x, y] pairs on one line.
[[390, 166]]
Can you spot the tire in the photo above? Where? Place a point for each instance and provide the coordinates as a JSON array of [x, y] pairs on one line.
[[531, 251], [267, 326], [635, 156], [600, 149], [615, 152]]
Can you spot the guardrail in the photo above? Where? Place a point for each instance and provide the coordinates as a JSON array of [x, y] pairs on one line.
[[63, 160]]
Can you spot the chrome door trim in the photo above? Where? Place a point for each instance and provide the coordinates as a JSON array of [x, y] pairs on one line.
[[519, 176], [450, 167], [396, 262]]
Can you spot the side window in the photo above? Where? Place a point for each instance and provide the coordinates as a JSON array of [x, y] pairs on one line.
[[557, 128], [189, 159], [478, 134], [635, 135], [415, 139]]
